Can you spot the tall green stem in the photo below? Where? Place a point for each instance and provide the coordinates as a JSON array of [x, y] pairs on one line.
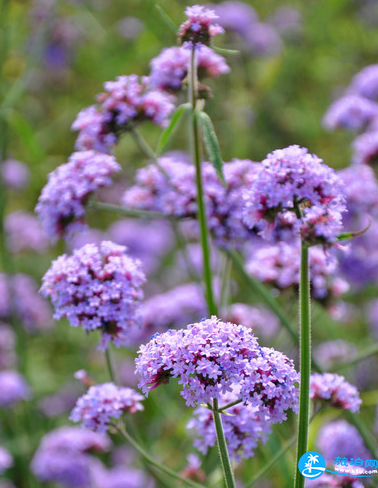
[[305, 354], [222, 447], [109, 364], [196, 153]]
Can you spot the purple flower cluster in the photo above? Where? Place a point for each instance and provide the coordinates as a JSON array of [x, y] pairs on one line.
[[224, 205], [61, 205], [244, 427], [63, 457], [329, 481], [19, 295], [6, 460], [260, 319], [15, 174], [200, 27], [7, 346], [293, 180], [121, 477], [334, 389], [13, 388], [170, 68], [24, 232], [339, 438], [330, 353], [279, 265], [209, 357], [357, 110], [126, 102], [99, 288], [104, 403]]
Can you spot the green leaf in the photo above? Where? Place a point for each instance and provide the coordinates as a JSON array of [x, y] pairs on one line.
[[167, 133], [211, 143], [26, 133], [222, 50], [167, 19]]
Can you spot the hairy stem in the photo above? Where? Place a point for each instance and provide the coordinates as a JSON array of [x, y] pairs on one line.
[[222, 447], [196, 154], [305, 355], [110, 365]]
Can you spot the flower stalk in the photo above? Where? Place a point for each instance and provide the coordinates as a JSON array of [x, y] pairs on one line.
[[305, 363]]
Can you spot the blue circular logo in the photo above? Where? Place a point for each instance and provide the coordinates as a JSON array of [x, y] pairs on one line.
[[312, 465]]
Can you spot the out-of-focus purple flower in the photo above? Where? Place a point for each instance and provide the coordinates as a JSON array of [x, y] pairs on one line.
[[244, 427], [177, 196], [331, 353], [85, 236], [130, 27], [15, 174], [261, 320], [193, 470], [352, 112], [361, 192], [125, 102], [169, 69], [372, 317], [173, 309], [339, 438], [104, 403], [333, 388], [24, 232], [287, 21], [365, 148], [122, 477], [291, 179], [200, 27], [62, 457], [365, 83], [6, 460], [157, 240], [7, 346], [13, 388], [19, 295], [211, 356], [236, 16], [263, 40], [61, 205], [279, 265], [98, 288]]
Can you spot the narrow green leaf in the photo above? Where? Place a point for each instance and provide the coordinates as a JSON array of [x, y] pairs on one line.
[[211, 143], [167, 19], [167, 133], [25, 131], [222, 50], [350, 235]]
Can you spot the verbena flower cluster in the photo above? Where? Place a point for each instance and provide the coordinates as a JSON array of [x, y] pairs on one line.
[[357, 110], [291, 179], [170, 68], [177, 196], [61, 205], [104, 403], [19, 296], [63, 457], [200, 27], [13, 388], [125, 102], [24, 232], [334, 389], [209, 357], [99, 288], [244, 427]]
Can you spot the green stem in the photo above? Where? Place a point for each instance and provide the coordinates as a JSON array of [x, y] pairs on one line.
[[272, 461], [305, 355], [147, 150], [152, 461], [196, 154], [110, 366], [229, 405], [222, 447]]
